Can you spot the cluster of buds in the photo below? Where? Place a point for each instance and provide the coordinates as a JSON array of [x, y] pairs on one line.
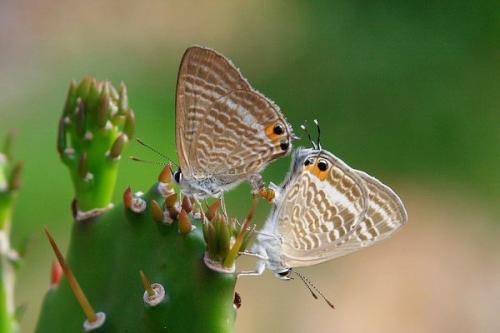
[[95, 126], [225, 237], [170, 209]]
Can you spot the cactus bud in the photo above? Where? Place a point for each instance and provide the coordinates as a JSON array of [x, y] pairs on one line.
[[80, 118], [103, 110], [123, 98], [171, 200], [61, 136], [68, 106], [186, 204], [127, 198], [117, 147], [15, 176], [185, 225], [156, 211], [212, 210], [129, 125], [166, 174]]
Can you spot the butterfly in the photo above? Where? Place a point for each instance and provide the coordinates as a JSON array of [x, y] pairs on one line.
[[226, 132], [324, 210]]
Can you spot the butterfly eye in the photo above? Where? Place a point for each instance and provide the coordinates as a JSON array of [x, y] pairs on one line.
[[284, 275], [308, 162], [178, 176], [284, 145], [278, 129], [322, 165]]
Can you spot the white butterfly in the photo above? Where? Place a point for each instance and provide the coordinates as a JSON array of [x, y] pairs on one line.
[[324, 210]]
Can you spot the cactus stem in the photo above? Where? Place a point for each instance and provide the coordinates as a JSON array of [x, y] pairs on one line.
[[156, 211], [75, 286], [147, 284], [127, 198], [55, 274]]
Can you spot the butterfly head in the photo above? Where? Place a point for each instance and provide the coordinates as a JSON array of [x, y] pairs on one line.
[[285, 274], [178, 175]]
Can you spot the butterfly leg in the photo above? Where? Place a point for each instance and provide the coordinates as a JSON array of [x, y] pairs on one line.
[[259, 269], [253, 254], [223, 204], [265, 234]]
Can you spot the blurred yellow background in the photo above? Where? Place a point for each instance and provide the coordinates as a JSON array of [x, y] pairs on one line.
[[407, 91]]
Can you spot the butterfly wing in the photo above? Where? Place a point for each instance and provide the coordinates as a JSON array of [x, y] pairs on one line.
[[384, 214], [221, 120], [318, 209]]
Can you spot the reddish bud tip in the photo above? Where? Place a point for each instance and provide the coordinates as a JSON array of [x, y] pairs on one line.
[[166, 174], [186, 204], [185, 226], [156, 211], [171, 200], [212, 209], [55, 274], [127, 198]]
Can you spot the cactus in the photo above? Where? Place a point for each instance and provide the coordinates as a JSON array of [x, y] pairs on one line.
[[10, 173], [156, 262]]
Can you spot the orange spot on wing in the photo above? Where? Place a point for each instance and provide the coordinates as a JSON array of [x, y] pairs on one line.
[[313, 168], [270, 133]]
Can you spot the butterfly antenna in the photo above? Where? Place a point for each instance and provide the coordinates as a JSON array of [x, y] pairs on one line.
[[307, 286], [319, 133], [137, 159], [155, 151], [304, 128], [310, 285]]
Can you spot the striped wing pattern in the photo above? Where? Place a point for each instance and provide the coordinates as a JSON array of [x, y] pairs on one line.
[[322, 219], [221, 120]]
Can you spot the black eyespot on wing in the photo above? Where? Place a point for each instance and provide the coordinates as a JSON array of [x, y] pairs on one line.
[[284, 145], [307, 162], [322, 165], [278, 129]]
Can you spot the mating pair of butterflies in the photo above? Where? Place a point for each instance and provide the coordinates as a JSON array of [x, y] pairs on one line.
[[227, 132]]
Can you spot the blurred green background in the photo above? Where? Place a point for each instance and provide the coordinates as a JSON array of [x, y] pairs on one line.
[[405, 90]]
